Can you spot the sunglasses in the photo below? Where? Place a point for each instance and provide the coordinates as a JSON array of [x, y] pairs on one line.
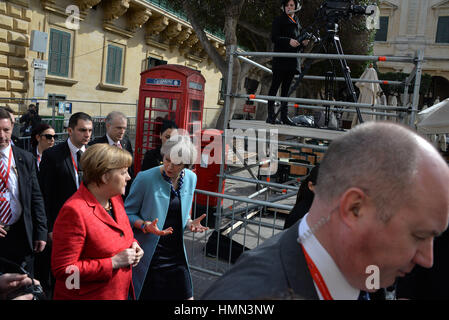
[[48, 136]]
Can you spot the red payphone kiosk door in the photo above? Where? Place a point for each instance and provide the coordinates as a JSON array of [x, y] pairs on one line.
[[158, 106]]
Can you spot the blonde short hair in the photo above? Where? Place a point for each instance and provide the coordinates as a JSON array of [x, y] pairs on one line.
[[100, 158]]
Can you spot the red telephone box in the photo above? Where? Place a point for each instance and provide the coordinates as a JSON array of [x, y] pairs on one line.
[[171, 92]]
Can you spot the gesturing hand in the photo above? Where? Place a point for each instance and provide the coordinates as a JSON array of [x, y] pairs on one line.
[[195, 225], [152, 228]]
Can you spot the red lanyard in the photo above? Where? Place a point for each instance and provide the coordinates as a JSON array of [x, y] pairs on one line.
[[316, 275], [5, 179], [74, 164]]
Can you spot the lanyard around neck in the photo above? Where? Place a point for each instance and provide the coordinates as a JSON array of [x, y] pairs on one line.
[[316, 275], [74, 163], [293, 20], [5, 179]]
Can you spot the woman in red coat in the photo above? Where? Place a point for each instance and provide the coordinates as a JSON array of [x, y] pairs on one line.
[[93, 244]]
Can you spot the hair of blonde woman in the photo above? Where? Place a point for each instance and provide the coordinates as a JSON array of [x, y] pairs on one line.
[[100, 158]]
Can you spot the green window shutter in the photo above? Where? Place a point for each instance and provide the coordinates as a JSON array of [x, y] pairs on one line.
[[59, 53], [114, 65], [443, 30]]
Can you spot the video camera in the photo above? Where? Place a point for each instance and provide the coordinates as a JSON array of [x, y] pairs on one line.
[[331, 9]]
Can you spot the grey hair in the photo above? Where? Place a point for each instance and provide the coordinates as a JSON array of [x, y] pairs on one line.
[[379, 158], [180, 149], [114, 114]]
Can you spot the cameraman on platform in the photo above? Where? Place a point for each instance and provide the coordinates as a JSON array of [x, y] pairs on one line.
[[285, 31]]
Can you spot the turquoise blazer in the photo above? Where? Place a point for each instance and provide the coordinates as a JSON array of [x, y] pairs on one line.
[[148, 199]]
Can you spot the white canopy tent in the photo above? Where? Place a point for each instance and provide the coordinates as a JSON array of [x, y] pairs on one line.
[[435, 119]]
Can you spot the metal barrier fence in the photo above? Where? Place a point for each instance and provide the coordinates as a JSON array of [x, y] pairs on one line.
[[242, 225]]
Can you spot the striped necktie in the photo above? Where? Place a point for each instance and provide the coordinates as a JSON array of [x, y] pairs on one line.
[[5, 207]]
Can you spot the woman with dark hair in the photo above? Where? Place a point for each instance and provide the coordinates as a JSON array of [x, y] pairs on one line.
[[285, 31], [42, 137], [304, 198], [153, 157]]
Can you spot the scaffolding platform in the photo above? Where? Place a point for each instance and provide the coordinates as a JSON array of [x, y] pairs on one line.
[[305, 132]]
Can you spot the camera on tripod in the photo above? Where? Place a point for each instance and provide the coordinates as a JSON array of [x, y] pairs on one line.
[[342, 9], [332, 10]]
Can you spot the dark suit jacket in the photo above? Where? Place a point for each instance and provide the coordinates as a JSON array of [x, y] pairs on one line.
[[275, 270], [30, 196], [57, 179], [126, 144], [152, 158]]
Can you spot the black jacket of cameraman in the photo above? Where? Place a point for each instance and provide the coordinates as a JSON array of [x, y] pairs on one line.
[[284, 29]]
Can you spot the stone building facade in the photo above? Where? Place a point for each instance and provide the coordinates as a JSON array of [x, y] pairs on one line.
[[96, 50], [409, 25]]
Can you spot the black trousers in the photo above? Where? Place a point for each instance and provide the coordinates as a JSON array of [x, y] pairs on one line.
[[284, 78], [15, 247]]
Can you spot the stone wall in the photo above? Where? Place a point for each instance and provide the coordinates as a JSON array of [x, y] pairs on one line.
[[15, 17]]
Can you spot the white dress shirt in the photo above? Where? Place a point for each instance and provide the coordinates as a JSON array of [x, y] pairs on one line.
[[112, 142], [338, 286], [38, 157], [13, 184], [73, 151]]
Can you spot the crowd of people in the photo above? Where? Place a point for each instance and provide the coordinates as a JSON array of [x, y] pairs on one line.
[[77, 221], [75, 211]]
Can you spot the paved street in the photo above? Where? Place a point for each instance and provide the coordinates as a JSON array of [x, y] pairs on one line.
[[250, 235]]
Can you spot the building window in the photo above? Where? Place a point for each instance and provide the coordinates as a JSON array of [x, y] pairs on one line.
[[381, 34], [114, 65], [59, 53], [222, 92], [153, 62], [442, 30]]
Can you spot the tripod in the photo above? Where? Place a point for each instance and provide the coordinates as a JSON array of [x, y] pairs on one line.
[[333, 39]]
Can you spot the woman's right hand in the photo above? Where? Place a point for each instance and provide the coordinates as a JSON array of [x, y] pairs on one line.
[[151, 227], [124, 258]]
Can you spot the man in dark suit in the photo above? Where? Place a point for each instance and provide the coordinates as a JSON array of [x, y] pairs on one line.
[[116, 124], [370, 222], [59, 177], [23, 224], [60, 173]]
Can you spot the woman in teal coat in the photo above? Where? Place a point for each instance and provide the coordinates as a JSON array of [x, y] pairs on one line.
[[158, 207]]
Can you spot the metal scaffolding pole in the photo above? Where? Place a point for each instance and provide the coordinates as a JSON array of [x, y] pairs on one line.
[[328, 56], [324, 102], [388, 82]]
